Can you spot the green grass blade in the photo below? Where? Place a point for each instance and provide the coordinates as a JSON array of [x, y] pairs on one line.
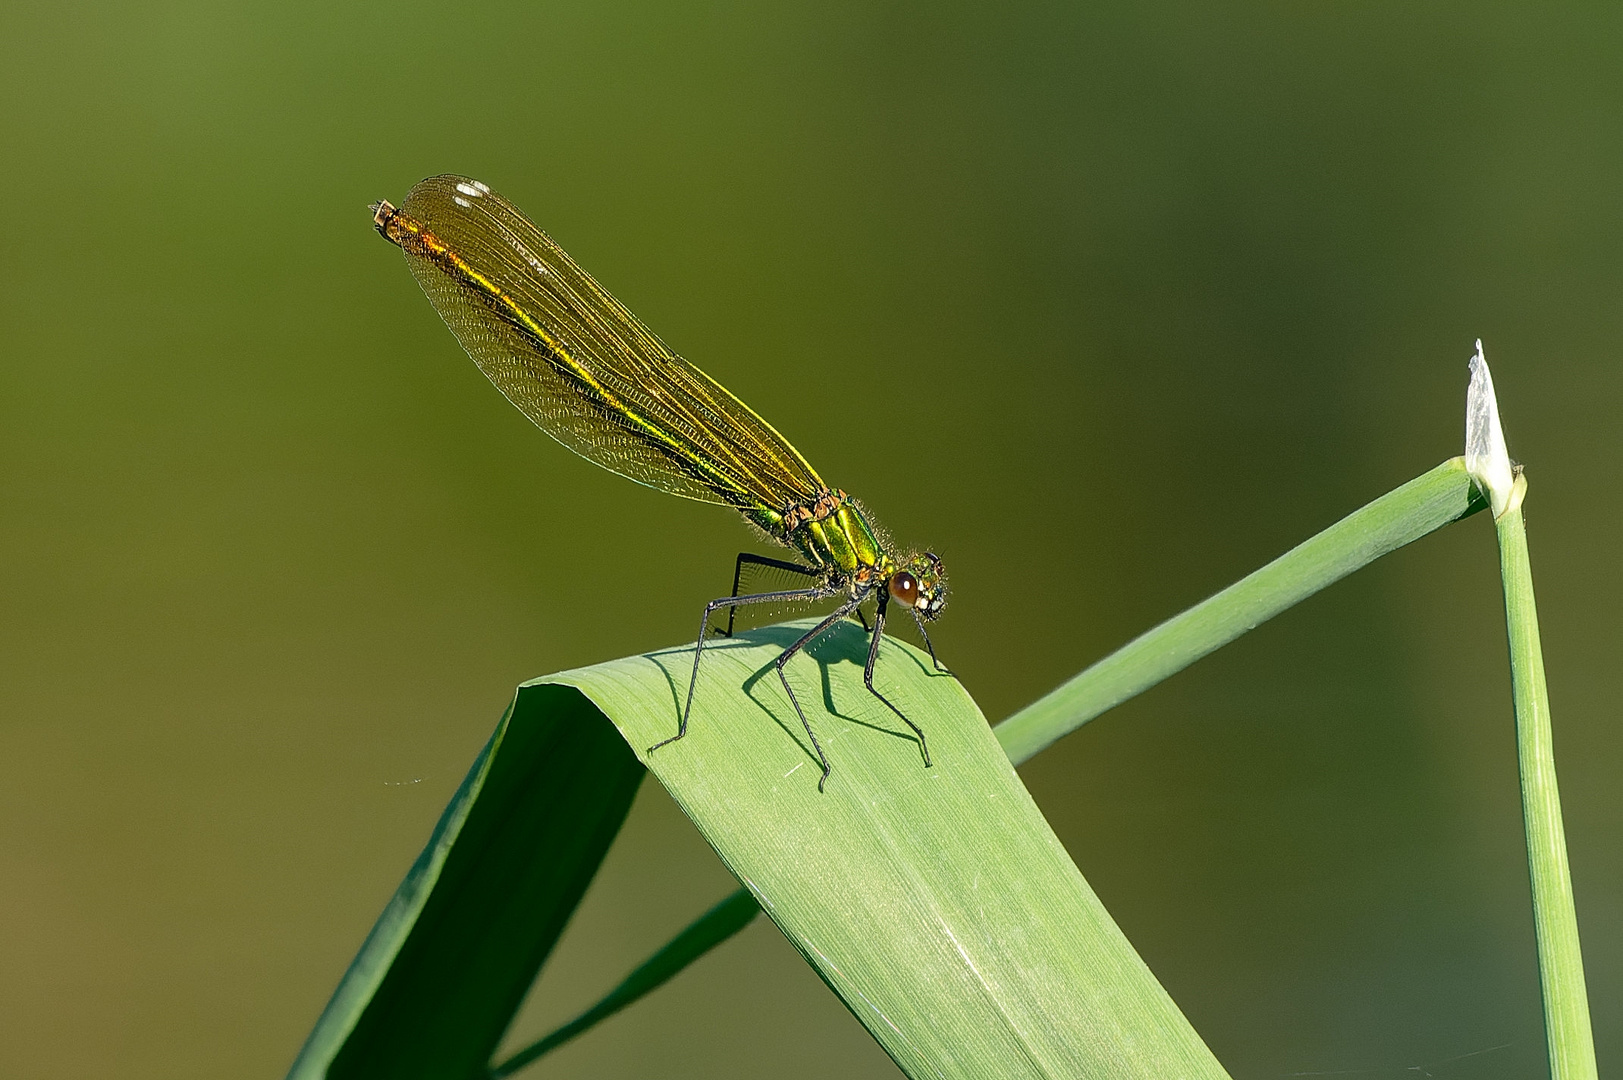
[[936, 902], [392, 985], [1560, 960], [1399, 517], [453, 954], [705, 933], [1405, 514]]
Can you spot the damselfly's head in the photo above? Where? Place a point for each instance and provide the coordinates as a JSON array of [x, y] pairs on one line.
[[921, 584]]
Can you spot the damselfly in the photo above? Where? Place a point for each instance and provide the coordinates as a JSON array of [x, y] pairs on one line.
[[576, 362]]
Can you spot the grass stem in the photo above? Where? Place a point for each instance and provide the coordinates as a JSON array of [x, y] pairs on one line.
[[1555, 919]]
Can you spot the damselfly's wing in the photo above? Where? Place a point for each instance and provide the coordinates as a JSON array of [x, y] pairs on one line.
[[575, 361]]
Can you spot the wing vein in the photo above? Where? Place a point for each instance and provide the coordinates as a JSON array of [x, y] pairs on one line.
[[581, 366]]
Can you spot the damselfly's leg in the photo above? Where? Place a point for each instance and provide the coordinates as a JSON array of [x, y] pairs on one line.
[[863, 619], [925, 634], [761, 560], [867, 674], [810, 636], [805, 596]]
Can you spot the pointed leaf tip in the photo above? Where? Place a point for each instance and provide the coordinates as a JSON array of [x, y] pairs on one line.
[[1486, 458]]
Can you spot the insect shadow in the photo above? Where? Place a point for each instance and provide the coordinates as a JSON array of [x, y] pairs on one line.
[[843, 643]]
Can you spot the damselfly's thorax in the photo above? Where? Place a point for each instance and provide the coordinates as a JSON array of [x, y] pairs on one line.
[[831, 531], [823, 506], [835, 536]]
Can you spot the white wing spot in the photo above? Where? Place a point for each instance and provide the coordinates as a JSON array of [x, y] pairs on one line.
[[483, 190], [460, 201], [475, 189]]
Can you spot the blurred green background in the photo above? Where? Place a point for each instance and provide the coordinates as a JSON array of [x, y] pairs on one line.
[[1107, 303]]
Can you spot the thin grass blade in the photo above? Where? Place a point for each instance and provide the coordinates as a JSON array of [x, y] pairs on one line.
[[705, 933], [1567, 1031], [1555, 917], [1401, 516]]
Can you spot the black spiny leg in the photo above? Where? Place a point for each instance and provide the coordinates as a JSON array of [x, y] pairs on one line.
[[867, 673], [760, 560], [805, 596], [810, 636], [926, 636]]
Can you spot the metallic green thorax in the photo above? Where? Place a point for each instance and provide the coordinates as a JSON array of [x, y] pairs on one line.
[[834, 536]]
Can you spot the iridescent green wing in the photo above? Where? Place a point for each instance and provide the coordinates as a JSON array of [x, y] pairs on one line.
[[576, 362]]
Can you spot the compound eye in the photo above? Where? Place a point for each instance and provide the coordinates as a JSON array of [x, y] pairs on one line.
[[904, 588]]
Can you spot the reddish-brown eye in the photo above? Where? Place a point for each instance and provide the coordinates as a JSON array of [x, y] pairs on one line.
[[904, 588]]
